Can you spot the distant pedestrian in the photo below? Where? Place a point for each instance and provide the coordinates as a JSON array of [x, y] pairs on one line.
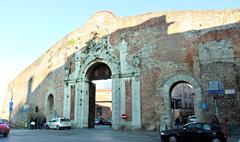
[[44, 123], [215, 123], [178, 122], [32, 124], [185, 119], [225, 127], [26, 125]]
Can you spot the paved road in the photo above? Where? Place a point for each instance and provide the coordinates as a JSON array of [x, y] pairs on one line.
[[101, 134], [80, 135]]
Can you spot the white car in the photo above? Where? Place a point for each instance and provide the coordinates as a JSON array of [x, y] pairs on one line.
[[58, 123]]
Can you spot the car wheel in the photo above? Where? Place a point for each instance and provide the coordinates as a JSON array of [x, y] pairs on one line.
[[172, 139], [215, 140], [57, 127], [5, 135]]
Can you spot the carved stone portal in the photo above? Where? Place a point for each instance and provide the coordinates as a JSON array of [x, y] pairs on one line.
[[96, 44]]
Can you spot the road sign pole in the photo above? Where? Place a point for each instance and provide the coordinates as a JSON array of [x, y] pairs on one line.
[[124, 118], [216, 106]]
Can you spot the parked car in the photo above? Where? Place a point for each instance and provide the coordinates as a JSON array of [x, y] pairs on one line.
[[58, 123], [4, 128], [194, 132], [109, 121], [100, 121]]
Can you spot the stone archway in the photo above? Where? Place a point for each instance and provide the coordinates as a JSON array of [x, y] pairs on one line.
[[100, 53], [165, 117], [89, 74]]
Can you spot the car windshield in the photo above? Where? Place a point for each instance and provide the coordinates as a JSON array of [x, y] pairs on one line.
[[193, 126], [206, 127]]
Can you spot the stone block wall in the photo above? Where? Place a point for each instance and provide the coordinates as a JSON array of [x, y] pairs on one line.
[[200, 45]]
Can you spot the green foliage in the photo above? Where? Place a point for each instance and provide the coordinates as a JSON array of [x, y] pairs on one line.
[[71, 42]]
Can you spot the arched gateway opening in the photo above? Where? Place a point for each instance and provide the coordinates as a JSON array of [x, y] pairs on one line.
[[98, 114], [167, 92], [182, 103]]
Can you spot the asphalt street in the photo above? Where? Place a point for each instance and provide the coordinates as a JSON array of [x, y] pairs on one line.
[[99, 134], [80, 135]]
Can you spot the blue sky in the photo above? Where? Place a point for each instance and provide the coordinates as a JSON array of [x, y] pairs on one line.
[[28, 28]]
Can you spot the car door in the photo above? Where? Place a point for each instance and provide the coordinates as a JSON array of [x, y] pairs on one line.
[[200, 133], [53, 123], [206, 132], [186, 133], [50, 123], [191, 133]]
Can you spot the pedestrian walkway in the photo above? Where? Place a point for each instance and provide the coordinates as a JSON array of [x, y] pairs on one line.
[[234, 139]]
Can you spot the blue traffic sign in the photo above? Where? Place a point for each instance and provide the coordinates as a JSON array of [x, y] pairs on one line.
[[215, 88], [204, 106]]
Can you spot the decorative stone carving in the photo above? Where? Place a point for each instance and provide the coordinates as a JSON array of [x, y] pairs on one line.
[[97, 44], [136, 61], [66, 71]]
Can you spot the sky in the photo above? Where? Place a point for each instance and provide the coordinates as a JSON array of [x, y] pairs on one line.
[[28, 28]]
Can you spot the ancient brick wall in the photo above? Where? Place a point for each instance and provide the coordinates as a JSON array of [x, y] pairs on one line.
[[201, 44]]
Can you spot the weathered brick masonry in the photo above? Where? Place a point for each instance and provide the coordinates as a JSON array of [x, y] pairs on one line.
[[147, 55]]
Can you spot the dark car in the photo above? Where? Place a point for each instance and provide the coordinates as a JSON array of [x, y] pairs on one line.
[[194, 132], [100, 121], [109, 121], [4, 128]]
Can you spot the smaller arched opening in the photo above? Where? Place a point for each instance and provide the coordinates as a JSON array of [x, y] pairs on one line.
[[182, 96], [50, 104]]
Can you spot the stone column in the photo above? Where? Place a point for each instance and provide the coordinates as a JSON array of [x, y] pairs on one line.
[[85, 104], [136, 103], [78, 104], [197, 100], [116, 103], [66, 107], [165, 118]]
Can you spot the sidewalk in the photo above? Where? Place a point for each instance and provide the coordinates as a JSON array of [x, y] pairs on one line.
[[234, 139]]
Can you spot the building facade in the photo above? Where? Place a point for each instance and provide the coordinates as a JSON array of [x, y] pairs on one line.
[[103, 102], [146, 56]]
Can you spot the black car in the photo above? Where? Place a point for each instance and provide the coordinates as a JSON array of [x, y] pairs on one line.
[[194, 132]]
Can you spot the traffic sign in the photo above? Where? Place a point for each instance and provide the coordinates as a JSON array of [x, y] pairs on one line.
[[124, 116], [204, 106], [11, 106], [215, 88]]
